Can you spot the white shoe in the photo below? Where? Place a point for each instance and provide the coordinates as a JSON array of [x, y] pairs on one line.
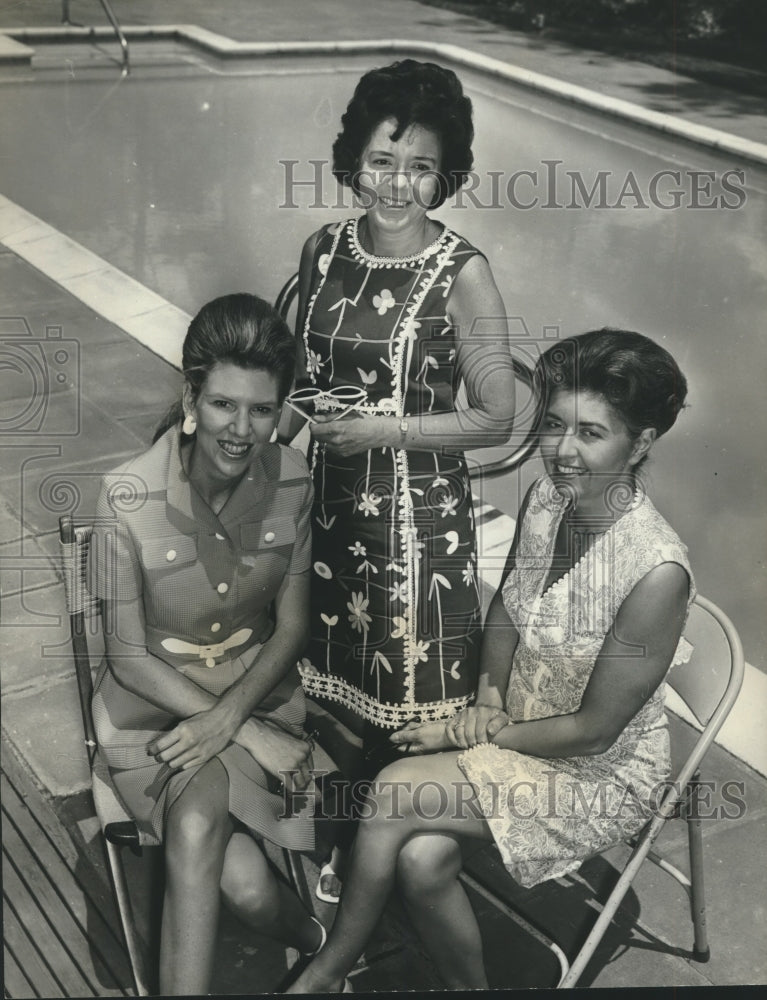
[[326, 871]]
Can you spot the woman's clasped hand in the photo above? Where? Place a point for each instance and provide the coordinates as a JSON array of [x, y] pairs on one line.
[[472, 725], [195, 740], [353, 434]]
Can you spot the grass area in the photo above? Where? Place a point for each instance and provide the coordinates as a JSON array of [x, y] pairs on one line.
[[737, 64]]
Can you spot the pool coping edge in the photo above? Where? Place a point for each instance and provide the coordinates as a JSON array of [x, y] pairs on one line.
[[223, 47]]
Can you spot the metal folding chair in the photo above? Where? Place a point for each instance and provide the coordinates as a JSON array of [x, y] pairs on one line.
[[708, 684], [119, 829]]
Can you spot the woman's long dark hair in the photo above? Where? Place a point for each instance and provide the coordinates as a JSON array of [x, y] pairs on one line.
[[242, 330]]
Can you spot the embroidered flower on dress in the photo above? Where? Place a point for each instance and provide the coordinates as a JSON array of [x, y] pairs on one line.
[[448, 505], [398, 592], [358, 549], [314, 362], [368, 378], [369, 505], [468, 574], [329, 620], [410, 328], [400, 627], [384, 301], [359, 619], [417, 650]]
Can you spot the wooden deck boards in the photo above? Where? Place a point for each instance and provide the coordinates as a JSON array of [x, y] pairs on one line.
[[59, 928]]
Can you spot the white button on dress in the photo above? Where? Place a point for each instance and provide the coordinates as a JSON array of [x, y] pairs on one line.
[[269, 536], [215, 627], [222, 588], [210, 662], [170, 555]]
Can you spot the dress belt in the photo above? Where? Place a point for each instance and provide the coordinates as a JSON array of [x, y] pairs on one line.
[[207, 653]]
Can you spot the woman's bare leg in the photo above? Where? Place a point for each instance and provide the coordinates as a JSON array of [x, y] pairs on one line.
[[427, 877], [401, 799], [263, 901], [197, 831]]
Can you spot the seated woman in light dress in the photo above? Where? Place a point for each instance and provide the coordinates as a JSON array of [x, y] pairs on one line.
[[201, 551], [566, 747]]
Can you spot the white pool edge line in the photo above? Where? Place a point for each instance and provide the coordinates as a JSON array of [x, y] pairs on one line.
[[135, 309], [224, 47]]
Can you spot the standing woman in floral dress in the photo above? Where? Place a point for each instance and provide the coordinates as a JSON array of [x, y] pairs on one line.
[[397, 304]]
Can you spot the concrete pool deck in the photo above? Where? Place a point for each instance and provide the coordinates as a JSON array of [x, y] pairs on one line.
[[122, 391]]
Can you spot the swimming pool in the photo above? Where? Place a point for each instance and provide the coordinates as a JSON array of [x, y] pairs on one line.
[[178, 176]]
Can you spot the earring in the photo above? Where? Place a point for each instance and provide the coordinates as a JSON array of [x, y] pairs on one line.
[[189, 425], [273, 438]]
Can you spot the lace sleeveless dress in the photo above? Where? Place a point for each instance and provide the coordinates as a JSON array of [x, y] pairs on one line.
[[549, 815], [395, 608]]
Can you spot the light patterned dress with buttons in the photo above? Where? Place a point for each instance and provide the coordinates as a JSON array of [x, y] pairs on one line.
[[207, 583]]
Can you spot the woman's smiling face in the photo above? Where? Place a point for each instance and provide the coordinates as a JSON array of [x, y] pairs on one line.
[[236, 410], [398, 179], [586, 447]]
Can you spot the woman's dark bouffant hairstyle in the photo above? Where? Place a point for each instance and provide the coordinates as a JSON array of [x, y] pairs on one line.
[[637, 377], [413, 93], [242, 330]]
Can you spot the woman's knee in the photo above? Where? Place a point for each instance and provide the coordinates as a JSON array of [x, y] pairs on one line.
[[406, 790], [426, 864], [247, 883], [397, 784], [195, 828]]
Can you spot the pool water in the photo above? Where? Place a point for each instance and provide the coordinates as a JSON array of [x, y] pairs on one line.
[[178, 176]]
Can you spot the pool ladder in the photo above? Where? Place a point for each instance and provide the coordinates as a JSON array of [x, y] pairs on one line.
[[115, 24]]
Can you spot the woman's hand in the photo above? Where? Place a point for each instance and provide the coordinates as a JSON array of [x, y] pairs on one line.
[[422, 737], [353, 434], [476, 724], [279, 753], [194, 741]]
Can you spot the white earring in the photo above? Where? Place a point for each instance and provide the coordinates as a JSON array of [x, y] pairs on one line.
[[189, 425], [273, 438]]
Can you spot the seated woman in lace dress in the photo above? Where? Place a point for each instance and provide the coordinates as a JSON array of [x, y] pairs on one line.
[[566, 747]]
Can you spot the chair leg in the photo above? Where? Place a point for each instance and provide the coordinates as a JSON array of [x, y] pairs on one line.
[[297, 877], [701, 950], [127, 920]]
